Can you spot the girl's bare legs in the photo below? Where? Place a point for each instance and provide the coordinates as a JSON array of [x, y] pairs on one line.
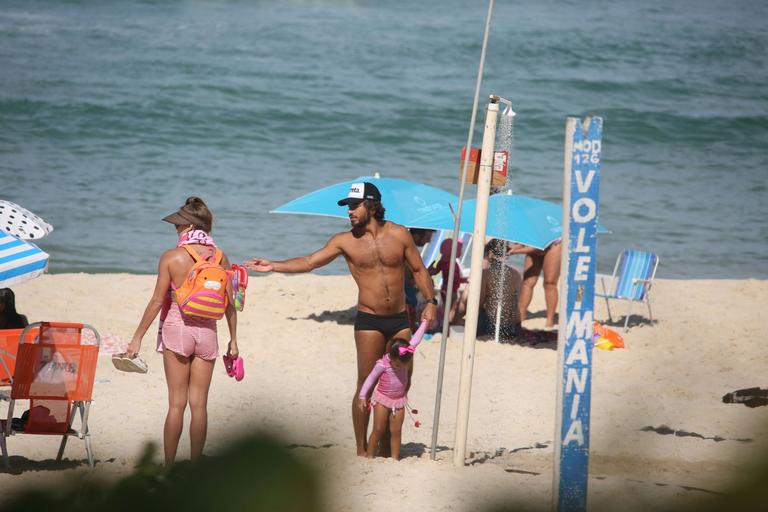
[[199, 384], [177, 370], [380, 422], [188, 382], [395, 431], [551, 266], [532, 269]]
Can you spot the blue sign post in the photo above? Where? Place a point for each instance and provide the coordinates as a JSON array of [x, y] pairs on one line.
[[581, 187]]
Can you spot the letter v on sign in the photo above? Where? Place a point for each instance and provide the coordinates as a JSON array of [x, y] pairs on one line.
[[581, 183]]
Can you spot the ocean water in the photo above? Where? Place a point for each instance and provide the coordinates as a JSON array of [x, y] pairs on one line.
[[112, 113]]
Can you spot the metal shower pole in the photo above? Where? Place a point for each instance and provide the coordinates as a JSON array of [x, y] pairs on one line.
[[454, 243]]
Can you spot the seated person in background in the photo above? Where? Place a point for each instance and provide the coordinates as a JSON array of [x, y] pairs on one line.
[[9, 318], [442, 266], [421, 237], [500, 287]]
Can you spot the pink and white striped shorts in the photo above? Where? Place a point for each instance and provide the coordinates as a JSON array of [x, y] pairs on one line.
[[189, 336]]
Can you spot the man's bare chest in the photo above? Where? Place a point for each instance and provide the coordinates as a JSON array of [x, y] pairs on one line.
[[382, 253]]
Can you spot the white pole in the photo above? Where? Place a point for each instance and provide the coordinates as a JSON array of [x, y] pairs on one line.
[[475, 279], [570, 127], [454, 243]]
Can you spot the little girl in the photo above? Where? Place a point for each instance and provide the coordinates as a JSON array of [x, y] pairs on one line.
[[393, 372]]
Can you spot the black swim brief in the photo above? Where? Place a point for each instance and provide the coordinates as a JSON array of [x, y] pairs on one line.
[[388, 325]]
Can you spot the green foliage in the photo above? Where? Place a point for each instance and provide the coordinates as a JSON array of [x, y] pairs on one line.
[[254, 474]]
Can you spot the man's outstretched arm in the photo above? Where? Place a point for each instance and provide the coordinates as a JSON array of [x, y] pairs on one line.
[[317, 259]]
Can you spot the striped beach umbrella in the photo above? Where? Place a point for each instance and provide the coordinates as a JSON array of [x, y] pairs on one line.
[[19, 260]]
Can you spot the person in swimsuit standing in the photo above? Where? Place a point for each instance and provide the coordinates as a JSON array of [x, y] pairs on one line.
[[189, 344], [377, 252], [538, 261]]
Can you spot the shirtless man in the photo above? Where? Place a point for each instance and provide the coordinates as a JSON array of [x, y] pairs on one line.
[[377, 252]]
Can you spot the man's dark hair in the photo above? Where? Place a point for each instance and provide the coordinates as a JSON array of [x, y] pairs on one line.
[[420, 231], [9, 317], [497, 247], [376, 209]]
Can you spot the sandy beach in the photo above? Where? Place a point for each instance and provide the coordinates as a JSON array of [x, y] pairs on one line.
[[707, 339]]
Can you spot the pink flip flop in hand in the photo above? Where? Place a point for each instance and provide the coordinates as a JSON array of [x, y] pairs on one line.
[[234, 367]]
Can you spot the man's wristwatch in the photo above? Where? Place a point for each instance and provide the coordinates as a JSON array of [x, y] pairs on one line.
[[433, 300]]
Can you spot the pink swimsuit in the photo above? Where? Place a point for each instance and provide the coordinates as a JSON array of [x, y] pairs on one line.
[[393, 382]]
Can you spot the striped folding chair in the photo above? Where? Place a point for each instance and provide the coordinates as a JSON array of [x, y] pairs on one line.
[[431, 251], [631, 280], [55, 371]]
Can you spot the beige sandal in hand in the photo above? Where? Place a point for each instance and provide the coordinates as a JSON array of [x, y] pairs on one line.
[[127, 364]]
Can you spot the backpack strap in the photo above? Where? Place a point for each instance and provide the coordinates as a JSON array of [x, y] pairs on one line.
[[192, 253], [217, 257]]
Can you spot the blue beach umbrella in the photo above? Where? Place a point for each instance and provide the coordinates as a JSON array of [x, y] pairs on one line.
[[403, 200], [516, 218], [19, 260]]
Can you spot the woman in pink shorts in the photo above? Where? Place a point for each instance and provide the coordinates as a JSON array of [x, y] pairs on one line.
[[189, 344]]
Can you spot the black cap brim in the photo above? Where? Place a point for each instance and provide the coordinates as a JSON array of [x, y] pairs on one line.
[[347, 200]]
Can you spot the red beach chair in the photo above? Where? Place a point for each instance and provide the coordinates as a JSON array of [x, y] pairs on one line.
[[55, 371], [9, 346]]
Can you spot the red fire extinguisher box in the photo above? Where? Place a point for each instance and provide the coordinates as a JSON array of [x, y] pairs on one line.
[[500, 161]]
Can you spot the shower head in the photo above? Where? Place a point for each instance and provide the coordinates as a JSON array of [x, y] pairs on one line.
[[508, 104]]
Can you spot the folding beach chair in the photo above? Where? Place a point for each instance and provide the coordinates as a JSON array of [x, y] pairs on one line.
[[9, 346], [54, 371], [631, 280], [430, 253]]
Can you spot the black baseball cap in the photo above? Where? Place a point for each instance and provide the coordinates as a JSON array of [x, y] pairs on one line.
[[360, 192]]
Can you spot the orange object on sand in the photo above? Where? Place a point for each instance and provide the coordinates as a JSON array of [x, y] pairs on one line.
[[606, 338]]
